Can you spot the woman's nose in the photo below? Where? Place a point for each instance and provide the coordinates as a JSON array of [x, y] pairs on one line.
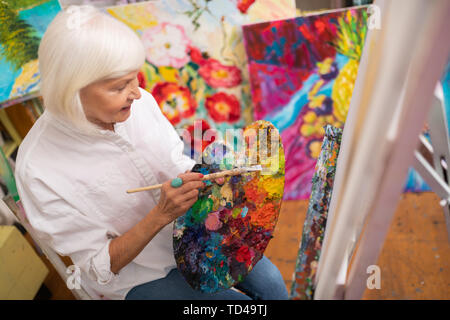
[[135, 93]]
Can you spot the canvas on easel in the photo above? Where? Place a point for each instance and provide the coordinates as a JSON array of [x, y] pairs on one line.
[[393, 95]]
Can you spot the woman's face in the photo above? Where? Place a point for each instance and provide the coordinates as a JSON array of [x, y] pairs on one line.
[[108, 101]]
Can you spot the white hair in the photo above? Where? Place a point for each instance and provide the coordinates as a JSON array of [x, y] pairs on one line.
[[83, 45]]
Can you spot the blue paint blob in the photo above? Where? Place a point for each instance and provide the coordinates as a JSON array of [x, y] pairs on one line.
[[244, 212]]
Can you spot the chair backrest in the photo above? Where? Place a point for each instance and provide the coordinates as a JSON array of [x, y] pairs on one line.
[[7, 204]]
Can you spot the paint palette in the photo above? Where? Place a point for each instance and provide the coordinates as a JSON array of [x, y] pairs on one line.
[[221, 238]]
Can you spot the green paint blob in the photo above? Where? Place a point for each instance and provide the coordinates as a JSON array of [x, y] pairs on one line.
[[236, 212], [201, 208]]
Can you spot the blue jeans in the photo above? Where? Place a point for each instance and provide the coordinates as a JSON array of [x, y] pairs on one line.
[[264, 282]]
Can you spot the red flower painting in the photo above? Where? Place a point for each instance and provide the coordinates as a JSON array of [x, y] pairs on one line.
[[243, 5], [175, 101], [199, 127], [217, 75], [223, 107], [141, 79], [196, 55]]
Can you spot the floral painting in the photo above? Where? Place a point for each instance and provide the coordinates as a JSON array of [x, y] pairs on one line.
[[302, 73], [22, 25], [225, 233], [195, 59]]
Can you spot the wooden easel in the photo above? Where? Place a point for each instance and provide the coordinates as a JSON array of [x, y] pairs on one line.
[[399, 69], [432, 161]]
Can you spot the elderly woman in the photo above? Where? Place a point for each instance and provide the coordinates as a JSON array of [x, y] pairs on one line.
[[100, 135]]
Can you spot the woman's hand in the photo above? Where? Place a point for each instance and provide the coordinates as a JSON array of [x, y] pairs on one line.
[[175, 202]]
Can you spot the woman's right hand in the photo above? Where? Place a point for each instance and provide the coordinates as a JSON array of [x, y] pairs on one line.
[[175, 202]]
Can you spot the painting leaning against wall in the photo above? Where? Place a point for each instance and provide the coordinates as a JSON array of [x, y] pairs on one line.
[[196, 67], [311, 63], [445, 81], [302, 74], [316, 217], [22, 25]]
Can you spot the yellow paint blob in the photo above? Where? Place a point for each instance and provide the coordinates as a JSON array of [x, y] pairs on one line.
[[310, 117], [314, 149], [271, 185]]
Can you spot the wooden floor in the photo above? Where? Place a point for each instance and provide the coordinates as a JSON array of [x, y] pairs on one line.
[[414, 262], [415, 259]]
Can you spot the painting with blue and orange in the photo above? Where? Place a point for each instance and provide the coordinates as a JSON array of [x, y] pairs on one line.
[[225, 233], [302, 74], [22, 25]]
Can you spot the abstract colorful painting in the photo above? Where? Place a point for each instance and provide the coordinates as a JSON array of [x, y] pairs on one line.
[[316, 216], [22, 25], [196, 66], [220, 239], [302, 74]]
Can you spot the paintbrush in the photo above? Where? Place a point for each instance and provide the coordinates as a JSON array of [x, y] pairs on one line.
[[211, 176]]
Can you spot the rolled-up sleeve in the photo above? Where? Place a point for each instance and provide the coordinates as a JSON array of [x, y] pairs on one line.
[[65, 229], [101, 265]]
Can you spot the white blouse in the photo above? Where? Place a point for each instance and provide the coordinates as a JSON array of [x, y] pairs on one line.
[[73, 190]]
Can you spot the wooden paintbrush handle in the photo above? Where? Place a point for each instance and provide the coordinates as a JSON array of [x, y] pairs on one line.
[[156, 186], [221, 174], [211, 176]]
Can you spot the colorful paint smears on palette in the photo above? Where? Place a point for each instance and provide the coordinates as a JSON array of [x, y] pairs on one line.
[[316, 216], [302, 74], [195, 59], [22, 25], [220, 239]]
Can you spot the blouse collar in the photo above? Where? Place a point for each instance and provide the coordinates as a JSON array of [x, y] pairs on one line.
[[68, 127]]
